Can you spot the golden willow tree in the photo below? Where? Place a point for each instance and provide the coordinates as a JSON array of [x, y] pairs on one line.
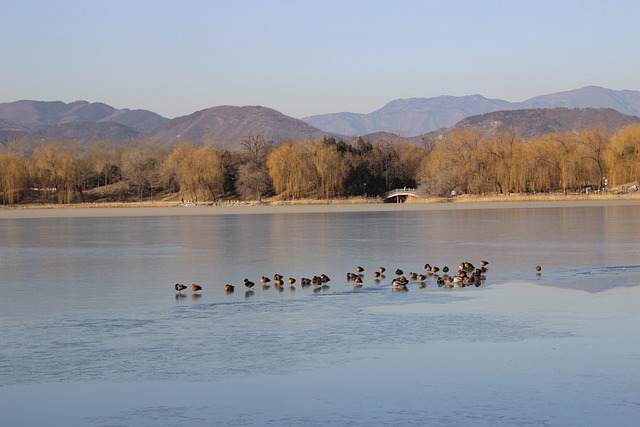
[[289, 170], [509, 164], [623, 156], [455, 164], [196, 173], [330, 169], [13, 177], [60, 169], [307, 168]]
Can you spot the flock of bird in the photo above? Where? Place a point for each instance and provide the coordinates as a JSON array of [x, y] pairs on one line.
[[467, 275]]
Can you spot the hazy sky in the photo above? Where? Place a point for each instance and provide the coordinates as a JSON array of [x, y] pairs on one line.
[[305, 57]]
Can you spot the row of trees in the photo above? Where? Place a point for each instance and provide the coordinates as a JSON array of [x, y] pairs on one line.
[[463, 161], [506, 163]]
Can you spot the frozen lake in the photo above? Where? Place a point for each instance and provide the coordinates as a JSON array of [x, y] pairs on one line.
[[93, 332]]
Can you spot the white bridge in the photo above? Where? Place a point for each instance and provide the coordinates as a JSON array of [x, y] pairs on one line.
[[400, 194]]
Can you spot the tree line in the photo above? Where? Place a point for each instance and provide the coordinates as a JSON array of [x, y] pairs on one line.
[[463, 161]]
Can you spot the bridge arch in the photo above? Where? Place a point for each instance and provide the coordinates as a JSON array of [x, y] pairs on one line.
[[399, 195]]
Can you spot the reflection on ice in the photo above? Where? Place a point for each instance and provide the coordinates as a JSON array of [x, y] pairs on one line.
[[596, 279]]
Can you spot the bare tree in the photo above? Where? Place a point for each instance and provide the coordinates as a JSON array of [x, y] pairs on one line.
[[141, 164], [257, 147], [253, 182]]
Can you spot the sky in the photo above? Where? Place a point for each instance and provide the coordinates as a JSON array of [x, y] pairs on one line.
[[308, 57]]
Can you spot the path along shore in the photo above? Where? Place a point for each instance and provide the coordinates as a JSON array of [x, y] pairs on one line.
[[235, 208]]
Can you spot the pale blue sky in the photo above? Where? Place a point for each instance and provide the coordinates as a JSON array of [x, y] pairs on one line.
[[311, 57]]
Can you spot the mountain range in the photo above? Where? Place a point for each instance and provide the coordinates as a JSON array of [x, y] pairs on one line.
[[85, 121], [416, 116]]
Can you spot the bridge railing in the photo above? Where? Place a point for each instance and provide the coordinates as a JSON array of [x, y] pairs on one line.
[[401, 192]]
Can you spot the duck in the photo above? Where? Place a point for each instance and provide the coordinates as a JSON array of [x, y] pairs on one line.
[[324, 278], [351, 276], [445, 269], [538, 268], [484, 263], [479, 274], [291, 280], [381, 270], [305, 281], [399, 282], [399, 272], [377, 274], [277, 276], [359, 269], [279, 283], [229, 288], [413, 276], [358, 282], [180, 287], [195, 288], [248, 284], [265, 279], [400, 287]]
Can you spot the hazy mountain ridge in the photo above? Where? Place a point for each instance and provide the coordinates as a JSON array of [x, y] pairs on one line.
[[416, 116], [35, 114], [228, 124]]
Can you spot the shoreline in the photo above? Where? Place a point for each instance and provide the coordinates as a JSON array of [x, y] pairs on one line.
[[141, 209]]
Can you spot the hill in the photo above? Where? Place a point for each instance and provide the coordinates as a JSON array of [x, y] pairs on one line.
[[228, 124], [539, 121], [416, 116]]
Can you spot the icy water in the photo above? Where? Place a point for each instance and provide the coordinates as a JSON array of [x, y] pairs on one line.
[[93, 333]]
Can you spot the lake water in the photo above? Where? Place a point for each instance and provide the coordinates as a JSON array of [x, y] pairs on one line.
[[94, 334]]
